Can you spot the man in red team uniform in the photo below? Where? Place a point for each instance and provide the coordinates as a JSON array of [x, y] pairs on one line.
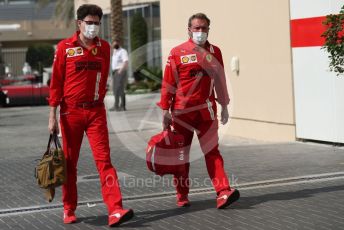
[[193, 70], [78, 86]]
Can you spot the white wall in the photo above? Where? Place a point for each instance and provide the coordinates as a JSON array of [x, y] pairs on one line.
[[319, 94]]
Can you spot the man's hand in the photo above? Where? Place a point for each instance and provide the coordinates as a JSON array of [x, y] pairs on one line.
[[53, 125], [166, 119], [124, 67], [224, 115]]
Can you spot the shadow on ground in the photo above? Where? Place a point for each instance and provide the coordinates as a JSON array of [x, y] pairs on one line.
[[142, 219]]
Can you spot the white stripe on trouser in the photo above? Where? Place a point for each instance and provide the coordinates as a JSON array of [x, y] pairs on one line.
[[210, 108], [152, 159], [96, 92]]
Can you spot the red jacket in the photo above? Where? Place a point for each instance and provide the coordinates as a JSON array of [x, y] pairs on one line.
[[190, 76], [79, 75]]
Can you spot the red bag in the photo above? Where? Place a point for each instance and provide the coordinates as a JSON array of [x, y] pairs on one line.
[[165, 153]]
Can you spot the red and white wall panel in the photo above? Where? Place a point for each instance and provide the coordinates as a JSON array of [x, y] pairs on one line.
[[319, 93]]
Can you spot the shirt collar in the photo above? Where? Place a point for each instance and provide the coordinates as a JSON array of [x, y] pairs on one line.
[[76, 35], [194, 46]]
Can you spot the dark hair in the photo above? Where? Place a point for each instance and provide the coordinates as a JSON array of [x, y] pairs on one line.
[[199, 16], [89, 9]]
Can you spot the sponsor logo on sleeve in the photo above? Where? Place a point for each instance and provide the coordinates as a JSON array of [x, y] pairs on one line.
[[187, 59]]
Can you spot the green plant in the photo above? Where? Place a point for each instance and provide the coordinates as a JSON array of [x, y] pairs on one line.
[[40, 56], [152, 81], [334, 41], [138, 87]]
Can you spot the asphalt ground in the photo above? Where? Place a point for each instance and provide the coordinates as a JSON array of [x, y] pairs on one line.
[[283, 185]]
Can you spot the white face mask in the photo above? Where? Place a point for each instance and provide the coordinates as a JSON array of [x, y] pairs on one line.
[[199, 37], [91, 31]]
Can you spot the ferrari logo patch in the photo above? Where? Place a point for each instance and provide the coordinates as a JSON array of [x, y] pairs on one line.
[[192, 58], [73, 52], [94, 51]]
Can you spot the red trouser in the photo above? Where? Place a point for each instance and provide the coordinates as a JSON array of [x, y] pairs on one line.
[[74, 122], [207, 132]]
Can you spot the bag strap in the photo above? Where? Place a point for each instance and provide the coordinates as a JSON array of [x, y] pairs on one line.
[[56, 140], [49, 142]]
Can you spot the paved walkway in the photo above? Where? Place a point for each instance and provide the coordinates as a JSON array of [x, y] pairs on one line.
[[283, 185]]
